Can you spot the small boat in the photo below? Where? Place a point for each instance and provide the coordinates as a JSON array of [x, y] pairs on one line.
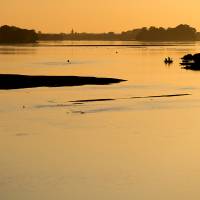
[[168, 60]]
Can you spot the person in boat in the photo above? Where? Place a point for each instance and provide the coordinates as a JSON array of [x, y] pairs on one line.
[[168, 60]]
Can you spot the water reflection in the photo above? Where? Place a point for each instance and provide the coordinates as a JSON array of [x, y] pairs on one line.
[[17, 50], [127, 141]]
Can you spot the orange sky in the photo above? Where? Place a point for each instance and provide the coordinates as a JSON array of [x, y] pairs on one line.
[[98, 15]]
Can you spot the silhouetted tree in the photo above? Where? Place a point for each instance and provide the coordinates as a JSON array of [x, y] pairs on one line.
[[12, 34]]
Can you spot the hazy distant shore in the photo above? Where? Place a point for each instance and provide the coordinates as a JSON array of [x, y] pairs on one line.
[[182, 32]]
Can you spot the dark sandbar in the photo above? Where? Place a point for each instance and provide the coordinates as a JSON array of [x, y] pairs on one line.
[[136, 97], [160, 96], [91, 100], [15, 81]]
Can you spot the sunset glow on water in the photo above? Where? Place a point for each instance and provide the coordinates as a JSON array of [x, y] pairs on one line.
[[137, 139]]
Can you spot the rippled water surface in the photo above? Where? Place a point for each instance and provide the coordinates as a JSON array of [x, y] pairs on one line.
[[138, 139]]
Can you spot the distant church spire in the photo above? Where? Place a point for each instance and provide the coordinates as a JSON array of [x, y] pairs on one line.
[[72, 31]]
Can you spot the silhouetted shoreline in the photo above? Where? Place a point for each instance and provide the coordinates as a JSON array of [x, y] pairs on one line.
[[182, 32], [15, 81]]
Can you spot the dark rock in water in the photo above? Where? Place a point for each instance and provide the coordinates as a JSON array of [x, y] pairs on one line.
[[196, 58], [192, 66], [191, 62], [15, 81], [188, 57]]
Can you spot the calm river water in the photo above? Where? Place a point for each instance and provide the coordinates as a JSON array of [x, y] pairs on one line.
[[123, 149]]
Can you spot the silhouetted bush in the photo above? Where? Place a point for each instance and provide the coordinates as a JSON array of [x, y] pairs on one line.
[[12, 34]]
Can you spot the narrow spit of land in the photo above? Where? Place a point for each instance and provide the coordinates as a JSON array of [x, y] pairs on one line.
[[16, 81]]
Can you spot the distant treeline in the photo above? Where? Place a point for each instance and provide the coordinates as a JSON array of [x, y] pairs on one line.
[[182, 32], [129, 35], [12, 34]]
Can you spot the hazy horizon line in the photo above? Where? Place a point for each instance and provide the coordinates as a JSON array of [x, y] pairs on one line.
[[102, 32]]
